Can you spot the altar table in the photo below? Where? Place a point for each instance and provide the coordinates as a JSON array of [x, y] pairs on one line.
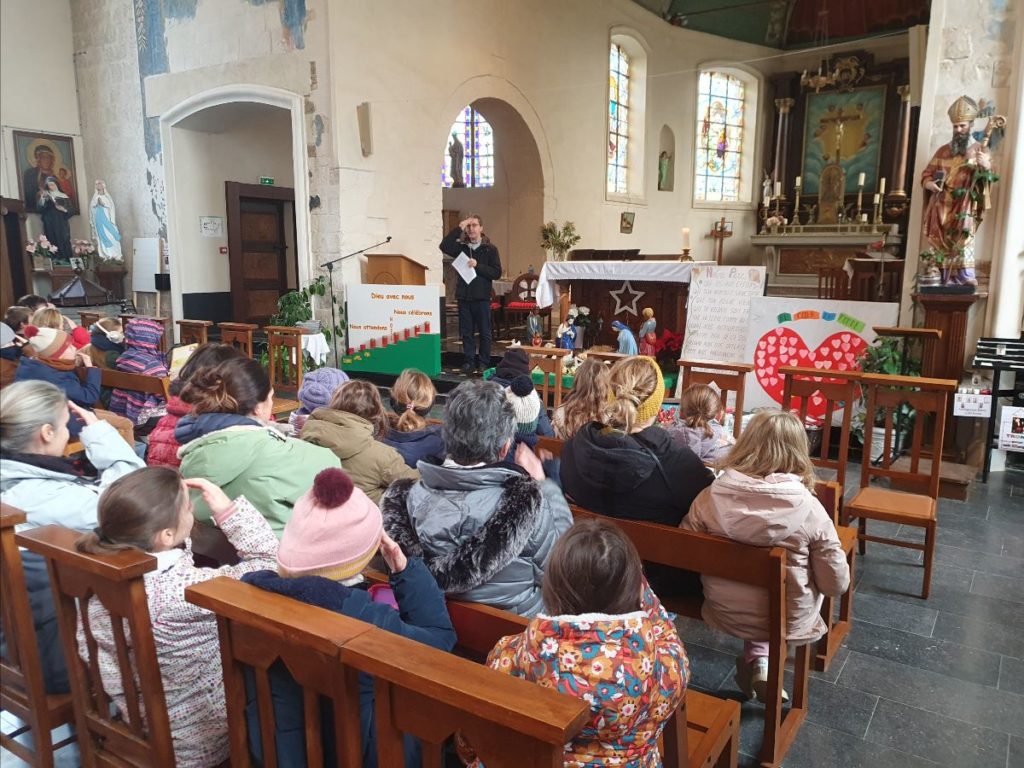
[[619, 290]]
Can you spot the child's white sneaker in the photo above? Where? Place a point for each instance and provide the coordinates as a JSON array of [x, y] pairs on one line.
[[759, 680]]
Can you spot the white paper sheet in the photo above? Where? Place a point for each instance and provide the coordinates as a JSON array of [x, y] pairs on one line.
[[466, 272]]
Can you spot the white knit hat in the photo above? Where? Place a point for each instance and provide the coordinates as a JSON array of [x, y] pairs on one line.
[[525, 403]]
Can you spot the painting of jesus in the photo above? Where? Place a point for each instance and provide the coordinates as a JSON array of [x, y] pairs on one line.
[[853, 120]]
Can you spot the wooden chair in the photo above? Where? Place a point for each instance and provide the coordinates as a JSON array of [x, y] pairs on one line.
[[284, 351], [522, 299], [497, 314], [86, 319], [194, 331], [839, 391], [833, 283], [830, 494], [165, 339], [928, 397], [550, 361], [728, 377], [137, 382], [419, 690], [116, 580], [238, 335], [552, 445], [22, 689], [758, 566]]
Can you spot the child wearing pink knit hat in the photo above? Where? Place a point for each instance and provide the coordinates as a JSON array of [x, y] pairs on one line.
[[334, 531]]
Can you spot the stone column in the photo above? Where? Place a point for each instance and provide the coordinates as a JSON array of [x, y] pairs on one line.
[[899, 171], [784, 106]]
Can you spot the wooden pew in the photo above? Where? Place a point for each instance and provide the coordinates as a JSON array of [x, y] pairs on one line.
[[238, 335], [419, 690], [711, 724], [137, 382], [194, 331], [756, 566], [22, 690], [116, 580], [166, 340]]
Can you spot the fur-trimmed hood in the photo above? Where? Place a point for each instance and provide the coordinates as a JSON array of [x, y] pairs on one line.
[[484, 533]]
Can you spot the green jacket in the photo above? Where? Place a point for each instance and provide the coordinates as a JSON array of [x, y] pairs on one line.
[[270, 470], [371, 464]]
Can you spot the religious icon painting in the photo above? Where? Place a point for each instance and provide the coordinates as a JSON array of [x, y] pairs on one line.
[[848, 124], [42, 156], [626, 222]]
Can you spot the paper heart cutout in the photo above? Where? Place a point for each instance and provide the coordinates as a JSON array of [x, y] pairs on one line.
[[839, 352]]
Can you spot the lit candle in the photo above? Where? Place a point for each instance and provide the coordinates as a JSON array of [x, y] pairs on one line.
[[860, 180], [686, 238], [798, 180], [881, 186], [778, 189]]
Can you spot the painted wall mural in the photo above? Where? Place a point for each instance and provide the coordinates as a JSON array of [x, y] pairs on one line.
[[861, 113]]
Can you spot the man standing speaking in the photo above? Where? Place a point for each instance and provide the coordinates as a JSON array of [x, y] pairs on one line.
[[474, 297]]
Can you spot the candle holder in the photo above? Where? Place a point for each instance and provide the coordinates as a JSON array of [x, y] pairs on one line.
[[796, 205], [860, 202], [685, 256]]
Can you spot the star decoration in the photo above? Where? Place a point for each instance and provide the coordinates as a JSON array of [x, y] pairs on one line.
[[629, 305]]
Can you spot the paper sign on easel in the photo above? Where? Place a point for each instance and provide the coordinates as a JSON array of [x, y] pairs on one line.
[[1011, 429]]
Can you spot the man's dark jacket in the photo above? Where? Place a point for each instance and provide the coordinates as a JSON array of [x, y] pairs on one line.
[[488, 266]]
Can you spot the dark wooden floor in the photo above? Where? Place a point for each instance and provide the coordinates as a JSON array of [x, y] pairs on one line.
[[918, 683]]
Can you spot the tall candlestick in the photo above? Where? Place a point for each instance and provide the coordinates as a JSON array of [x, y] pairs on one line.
[[778, 189], [860, 179], [686, 238], [881, 186]]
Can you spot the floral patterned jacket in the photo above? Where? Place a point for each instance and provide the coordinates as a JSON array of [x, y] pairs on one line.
[[632, 669]]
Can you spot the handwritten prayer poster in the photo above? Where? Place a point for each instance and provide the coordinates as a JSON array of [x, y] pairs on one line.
[[718, 311]]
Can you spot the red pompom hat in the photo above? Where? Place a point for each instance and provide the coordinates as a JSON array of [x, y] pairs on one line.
[[333, 532]]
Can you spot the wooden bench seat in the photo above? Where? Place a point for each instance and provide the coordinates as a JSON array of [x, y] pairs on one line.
[[419, 690]]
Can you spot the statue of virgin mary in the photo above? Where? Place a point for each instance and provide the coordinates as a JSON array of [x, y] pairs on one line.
[[104, 224]]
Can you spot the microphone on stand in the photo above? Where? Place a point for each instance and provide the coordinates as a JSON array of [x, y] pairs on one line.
[[329, 266]]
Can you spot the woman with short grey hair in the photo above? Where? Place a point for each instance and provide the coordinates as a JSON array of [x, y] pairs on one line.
[[484, 525], [37, 479]]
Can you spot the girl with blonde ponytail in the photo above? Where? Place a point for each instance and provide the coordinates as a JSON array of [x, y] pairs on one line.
[[412, 397], [625, 466]]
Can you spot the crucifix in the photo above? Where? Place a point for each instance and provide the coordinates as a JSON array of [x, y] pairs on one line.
[[840, 120], [719, 233]]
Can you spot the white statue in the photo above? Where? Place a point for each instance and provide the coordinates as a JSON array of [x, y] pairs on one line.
[[103, 219]]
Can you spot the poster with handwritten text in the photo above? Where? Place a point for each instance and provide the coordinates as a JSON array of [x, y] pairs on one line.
[[718, 311]]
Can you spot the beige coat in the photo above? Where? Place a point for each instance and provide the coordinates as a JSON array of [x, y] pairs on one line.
[[371, 464], [777, 511]]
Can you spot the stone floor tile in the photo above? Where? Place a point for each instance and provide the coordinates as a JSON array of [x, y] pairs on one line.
[[934, 737], [817, 747], [874, 609], [935, 692], [1004, 587], [1011, 675], [839, 708], [977, 561], [980, 634]]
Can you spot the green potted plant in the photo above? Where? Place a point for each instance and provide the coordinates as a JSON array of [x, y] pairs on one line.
[[884, 356], [296, 308], [559, 240]]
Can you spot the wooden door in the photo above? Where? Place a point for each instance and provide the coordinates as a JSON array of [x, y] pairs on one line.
[[15, 269], [258, 254]]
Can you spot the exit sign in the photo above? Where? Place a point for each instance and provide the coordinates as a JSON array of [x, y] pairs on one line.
[[267, 181]]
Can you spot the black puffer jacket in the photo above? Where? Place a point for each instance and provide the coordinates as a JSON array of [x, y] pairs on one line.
[[643, 476], [488, 266]]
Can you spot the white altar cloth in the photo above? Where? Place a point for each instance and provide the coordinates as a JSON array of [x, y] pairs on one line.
[[651, 271]]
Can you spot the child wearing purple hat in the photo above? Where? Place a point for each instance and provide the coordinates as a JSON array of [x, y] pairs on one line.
[[316, 391]]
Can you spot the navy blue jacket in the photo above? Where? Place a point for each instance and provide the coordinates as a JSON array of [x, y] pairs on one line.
[[80, 393], [424, 443], [422, 617]]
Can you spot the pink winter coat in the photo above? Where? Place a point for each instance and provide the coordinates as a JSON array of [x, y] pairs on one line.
[[777, 511]]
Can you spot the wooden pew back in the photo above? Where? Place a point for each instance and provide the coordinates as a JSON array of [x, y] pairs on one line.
[[419, 690], [137, 382], [116, 580], [22, 688], [728, 377]]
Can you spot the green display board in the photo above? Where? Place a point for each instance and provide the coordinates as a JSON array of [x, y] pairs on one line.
[[422, 352]]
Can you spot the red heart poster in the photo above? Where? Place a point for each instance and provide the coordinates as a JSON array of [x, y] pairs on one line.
[[810, 333]]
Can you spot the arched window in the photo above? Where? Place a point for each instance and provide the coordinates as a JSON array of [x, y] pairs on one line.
[[726, 116], [477, 139], [627, 103], [721, 110], [618, 121]]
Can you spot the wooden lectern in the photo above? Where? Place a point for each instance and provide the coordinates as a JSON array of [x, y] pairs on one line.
[[393, 269]]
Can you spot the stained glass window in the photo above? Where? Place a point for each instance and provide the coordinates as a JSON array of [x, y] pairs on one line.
[[477, 140], [720, 109], [618, 120]]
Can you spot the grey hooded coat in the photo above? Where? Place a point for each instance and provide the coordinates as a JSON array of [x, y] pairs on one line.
[[485, 533]]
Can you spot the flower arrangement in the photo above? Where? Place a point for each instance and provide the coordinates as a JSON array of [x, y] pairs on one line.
[[558, 239], [580, 315], [82, 252], [41, 249]]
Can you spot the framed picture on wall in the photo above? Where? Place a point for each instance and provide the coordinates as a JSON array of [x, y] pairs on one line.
[[626, 222], [40, 156], [853, 120]]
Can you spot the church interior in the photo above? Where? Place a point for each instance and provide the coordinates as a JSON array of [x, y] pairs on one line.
[[279, 254]]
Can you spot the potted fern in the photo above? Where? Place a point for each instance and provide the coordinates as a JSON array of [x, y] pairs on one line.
[[559, 240], [885, 356]]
